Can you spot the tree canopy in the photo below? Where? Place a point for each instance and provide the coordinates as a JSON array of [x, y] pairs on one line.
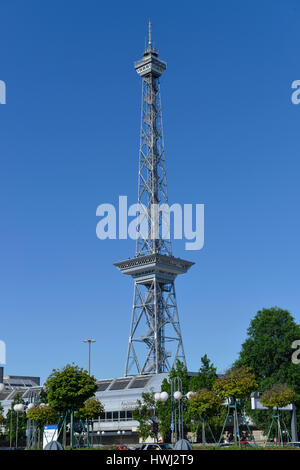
[[237, 383], [205, 404], [69, 388], [278, 396], [92, 409], [206, 376], [42, 415], [268, 348]]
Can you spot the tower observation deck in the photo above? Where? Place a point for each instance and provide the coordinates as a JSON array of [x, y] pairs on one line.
[[155, 341]]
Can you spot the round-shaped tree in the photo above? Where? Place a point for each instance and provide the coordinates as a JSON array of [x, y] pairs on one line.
[[237, 383], [92, 409], [204, 403], [42, 415], [69, 388], [278, 396]]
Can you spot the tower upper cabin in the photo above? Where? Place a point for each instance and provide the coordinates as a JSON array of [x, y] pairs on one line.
[[150, 64]]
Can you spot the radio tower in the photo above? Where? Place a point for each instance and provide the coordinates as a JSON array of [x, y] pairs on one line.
[[155, 342]]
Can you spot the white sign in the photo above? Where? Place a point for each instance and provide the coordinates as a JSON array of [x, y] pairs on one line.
[[128, 405], [49, 434]]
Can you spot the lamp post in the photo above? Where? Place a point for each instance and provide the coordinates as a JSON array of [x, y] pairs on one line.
[[10, 433], [28, 437], [89, 341], [18, 408], [176, 406]]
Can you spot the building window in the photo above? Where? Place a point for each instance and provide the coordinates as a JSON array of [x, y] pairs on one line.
[[116, 416]]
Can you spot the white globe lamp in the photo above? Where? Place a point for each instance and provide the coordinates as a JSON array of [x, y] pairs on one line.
[[164, 396], [189, 395], [19, 407], [177, 395]]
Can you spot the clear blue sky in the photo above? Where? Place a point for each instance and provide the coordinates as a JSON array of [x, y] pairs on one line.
[[69, 142]]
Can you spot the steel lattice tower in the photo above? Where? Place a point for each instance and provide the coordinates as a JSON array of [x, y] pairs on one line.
[[155, 323]]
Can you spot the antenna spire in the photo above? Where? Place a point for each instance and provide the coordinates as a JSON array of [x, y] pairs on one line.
[[150, 40]]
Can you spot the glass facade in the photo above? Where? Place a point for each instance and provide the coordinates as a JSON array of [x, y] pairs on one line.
[[123, 415]]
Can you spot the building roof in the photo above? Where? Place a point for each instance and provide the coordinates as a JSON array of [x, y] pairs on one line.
[[122, 393]]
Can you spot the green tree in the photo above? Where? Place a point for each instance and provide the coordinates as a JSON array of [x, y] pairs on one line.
[[69, 388], [143, 413], [42, 398], [278, 396], [42, 415], [205, 403], [206, 376], [205, 408], [237, 383], [92, 409], [267, 350]]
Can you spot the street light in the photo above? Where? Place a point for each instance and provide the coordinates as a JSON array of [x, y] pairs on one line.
[[89, 341], [32, 428], [176, 406], [18, 408]]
